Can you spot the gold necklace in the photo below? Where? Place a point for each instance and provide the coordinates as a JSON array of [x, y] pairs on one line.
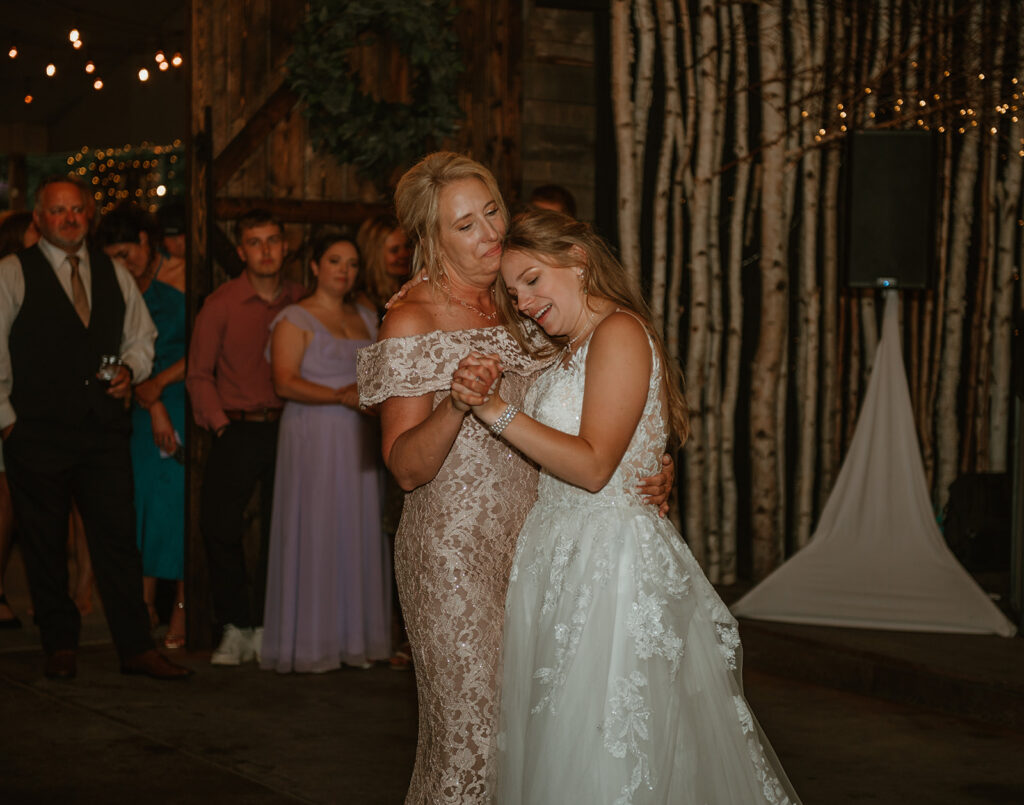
[[567, 349], [453, 298]]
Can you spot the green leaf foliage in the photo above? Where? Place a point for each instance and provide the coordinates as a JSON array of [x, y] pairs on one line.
[[377, 136]]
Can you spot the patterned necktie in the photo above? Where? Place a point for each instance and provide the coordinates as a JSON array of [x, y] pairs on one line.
[[78, 297]]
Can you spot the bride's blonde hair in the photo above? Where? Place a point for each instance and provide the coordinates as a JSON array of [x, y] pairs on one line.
[[565, 242]]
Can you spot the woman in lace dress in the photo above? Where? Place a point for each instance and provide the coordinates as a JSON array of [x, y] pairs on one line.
[[468, 492], [621, 680]]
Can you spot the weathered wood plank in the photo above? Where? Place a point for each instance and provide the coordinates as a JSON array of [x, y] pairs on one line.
[[300, 210], [253, 134]]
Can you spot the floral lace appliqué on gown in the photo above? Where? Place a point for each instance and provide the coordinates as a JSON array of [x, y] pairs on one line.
[[453, 551], [621, 680]]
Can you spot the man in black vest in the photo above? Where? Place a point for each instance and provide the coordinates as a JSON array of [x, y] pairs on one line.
[[63, 308]]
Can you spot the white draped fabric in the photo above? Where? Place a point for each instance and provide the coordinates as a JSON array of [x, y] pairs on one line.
[[877, 559]]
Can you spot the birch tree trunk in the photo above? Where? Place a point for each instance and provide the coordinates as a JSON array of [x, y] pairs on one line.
[[713, 396], [666, 154], [734, 332], [811, 62], [831, 364], [697, 342], [623, 110], [1007, 211], [947, 427], [868, 312], [765, 491], [830, 378], [932, 312], [979, 370]]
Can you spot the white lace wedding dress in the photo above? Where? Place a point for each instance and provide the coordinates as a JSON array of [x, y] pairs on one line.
[[622, 679]]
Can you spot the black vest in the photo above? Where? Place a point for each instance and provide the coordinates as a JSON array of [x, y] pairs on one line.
[[54, 357]]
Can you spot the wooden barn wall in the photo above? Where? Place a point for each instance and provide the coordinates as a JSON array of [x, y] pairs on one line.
[[559, 104], [238, 50]]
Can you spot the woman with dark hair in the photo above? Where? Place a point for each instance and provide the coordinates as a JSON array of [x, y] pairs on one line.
[[131, 235], [328, 598]]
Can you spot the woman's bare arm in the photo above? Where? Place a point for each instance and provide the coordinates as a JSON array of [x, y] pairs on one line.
[[415, 437]]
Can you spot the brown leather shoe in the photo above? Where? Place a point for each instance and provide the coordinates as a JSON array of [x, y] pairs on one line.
[[154, 664], [62, 664]]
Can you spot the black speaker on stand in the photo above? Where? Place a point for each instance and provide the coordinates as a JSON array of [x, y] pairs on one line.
[[890, 181]]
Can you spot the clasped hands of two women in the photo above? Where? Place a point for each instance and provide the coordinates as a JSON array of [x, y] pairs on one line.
[[473, 389], [473, 386]]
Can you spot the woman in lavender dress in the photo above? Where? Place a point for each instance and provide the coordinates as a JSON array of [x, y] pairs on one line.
[[328, 583]]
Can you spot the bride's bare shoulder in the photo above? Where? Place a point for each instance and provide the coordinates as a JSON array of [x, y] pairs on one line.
[[622, 333]]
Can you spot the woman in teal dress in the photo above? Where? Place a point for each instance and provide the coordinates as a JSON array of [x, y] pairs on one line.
[[131, 235]]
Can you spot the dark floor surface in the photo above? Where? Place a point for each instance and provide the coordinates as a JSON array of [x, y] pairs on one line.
[[249, 736]]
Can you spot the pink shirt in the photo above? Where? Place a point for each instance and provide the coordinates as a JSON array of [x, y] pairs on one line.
[[227, 368]]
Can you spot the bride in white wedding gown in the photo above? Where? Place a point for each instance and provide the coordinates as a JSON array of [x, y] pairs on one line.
[[622, 669]]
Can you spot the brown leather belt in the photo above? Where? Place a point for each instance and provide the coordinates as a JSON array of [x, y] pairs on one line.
[[259, 415]]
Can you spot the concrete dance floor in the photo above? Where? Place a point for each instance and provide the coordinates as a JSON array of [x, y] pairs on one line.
[[249, 736]]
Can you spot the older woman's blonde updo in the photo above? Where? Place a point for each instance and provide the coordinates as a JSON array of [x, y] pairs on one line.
[[416, 202]]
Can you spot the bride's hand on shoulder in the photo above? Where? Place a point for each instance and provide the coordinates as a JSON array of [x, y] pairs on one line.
[[409, 284]]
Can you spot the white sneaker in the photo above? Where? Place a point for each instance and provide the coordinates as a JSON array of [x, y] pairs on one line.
[[257, 642], [235, 647]]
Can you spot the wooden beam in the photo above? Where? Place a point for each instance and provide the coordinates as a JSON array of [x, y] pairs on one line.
[[275, 108], [290, 210], [225, 252], [574, 5]]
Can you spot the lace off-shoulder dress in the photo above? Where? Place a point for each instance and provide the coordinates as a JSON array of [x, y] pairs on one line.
[[453, 552]]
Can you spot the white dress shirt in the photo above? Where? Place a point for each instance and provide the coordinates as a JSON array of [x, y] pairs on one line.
[[138, 333]]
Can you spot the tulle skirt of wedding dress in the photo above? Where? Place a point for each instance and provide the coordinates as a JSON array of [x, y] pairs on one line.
[[622, 671]]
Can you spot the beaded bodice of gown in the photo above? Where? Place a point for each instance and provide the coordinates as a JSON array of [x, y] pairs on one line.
[[453, 551]]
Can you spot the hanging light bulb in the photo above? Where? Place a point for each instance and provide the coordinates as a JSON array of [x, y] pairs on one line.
[[90, 67], [13, 52], [77, 44], [160, 57], [163, 66], [97, 84], [73, 35], [176, 60], [143, 74], [29, 99], [51, 69]]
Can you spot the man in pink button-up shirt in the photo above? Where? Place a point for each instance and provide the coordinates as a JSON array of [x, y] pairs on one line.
[[233, 396]]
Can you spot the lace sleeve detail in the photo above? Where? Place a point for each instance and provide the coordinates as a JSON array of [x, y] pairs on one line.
[[421, 364]]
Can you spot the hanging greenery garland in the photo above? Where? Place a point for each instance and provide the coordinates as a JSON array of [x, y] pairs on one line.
[[376, 135]]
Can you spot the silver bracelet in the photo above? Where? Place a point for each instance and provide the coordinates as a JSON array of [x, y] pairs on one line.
[[502, 421]]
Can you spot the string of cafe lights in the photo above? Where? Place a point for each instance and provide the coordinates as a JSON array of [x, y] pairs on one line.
[[933, 110], [145, 173], [162, 60]]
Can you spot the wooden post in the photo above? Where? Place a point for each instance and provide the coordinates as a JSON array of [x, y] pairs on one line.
[[17, 182], [198, 283]]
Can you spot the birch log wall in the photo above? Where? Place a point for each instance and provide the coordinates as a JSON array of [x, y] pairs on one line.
[[732, 174]]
